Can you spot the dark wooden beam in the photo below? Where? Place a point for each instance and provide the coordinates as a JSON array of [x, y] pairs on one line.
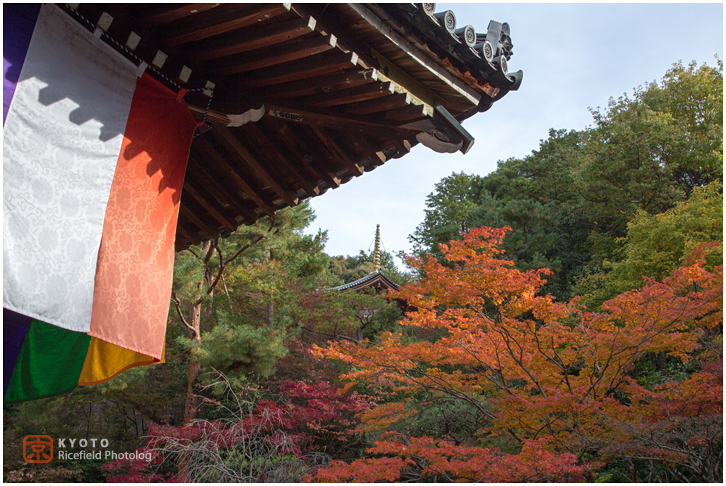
[[187, 212], [350, 95], [328, 140], [225, 18], [294, 71], [403, 147], [225, 135], [250, 39], [378, 105], [329, 23], [151, 15], [321, 157], [232, 174], [334, 122], [289, 138], [209, 205], [407, 114], [354, 146], [321, 84], [273, 56], [210, 183], [378, 157], [183, 230], [273, 156]]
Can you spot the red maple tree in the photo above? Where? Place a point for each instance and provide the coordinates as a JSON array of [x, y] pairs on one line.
[[550, 381]]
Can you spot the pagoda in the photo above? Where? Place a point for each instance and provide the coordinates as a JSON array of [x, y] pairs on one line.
[[376, 280]]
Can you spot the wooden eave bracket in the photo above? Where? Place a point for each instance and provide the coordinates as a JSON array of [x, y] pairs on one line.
[[305, 117], [456, 126], [334, 122], [251, 115], [442, 121]]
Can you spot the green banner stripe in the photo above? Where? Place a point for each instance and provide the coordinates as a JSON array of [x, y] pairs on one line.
[[49, 363]]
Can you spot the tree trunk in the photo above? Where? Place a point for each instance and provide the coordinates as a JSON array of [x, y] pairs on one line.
[[270, 316], [195, 323], [270, 308], [192, 401], [190, 407]]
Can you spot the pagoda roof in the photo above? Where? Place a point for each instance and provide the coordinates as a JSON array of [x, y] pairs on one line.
[[301, 98], [376, 279]]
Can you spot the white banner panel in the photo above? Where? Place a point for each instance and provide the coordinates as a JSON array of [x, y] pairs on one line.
[[62, 138]]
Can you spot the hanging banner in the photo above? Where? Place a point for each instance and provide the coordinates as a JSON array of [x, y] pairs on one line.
[[136, 261], [62, 138], [41, 360], [18, 24], [94, 163]]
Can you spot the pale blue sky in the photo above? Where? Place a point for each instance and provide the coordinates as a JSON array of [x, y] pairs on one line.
[[574, 56]]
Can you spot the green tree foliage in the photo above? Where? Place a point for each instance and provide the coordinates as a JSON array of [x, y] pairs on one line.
[[448, 212], [545, 232], [547, 175], [349, 315], [648, 152], [570, 201], [657, 244], [693, 98], [240, 296], [238, 350]]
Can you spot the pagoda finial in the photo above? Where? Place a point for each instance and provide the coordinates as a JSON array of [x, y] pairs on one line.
[[377, 250]]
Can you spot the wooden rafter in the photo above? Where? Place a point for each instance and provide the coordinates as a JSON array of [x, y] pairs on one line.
[[274, 56], [208, 204], [378, 105], [296, 70], [329, 23], [156, 14], [187, 211], [322, 157], [224, 134], [321, 84], [377, 156], [223, 19], [289, 137], [403, 146], [326, 120], [407, 114], [350, 95], [215, 188], [329, 141], [259, 37], [181, 228], [215, 158], [274, 156]]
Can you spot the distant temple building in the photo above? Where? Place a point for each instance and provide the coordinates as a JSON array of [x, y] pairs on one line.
[[376, 279]]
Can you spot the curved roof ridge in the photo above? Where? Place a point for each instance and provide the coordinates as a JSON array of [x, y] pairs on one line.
[[365, 279]]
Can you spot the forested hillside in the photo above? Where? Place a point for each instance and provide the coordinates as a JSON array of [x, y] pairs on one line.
[[563, 322], [571, 204]]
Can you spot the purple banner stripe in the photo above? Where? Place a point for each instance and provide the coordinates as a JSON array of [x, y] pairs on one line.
[[18, 24], [15, 328]]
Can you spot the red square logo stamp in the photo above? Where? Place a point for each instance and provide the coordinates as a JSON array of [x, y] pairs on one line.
[[38, 448]]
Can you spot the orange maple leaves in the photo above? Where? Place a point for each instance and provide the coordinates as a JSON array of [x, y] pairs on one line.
[[535, 369]]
